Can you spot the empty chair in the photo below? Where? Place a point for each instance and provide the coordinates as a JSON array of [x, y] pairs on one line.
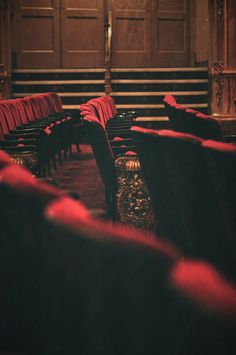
[[212, 333], [105, 160], [196, 198], [126, 194], [184, 119], [170, 220], [118, 279], [118, 134], [221, 163]]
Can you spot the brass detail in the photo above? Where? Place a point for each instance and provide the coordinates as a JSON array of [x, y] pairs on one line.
[[133, 200], [28, 160], [218, 68]]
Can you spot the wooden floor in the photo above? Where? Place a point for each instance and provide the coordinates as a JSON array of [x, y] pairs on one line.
[[80, 175]]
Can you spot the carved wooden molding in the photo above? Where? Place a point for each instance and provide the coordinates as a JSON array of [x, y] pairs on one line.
[[218, 68]]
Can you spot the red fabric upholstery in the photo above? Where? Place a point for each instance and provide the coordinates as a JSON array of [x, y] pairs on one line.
[[206, 286], [220, 146]]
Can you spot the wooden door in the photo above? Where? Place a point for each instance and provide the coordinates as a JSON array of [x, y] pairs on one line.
[[171, 33], [82, 33], [131, 33], [36, 34]]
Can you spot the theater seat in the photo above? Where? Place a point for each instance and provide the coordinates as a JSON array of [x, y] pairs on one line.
[[221, 165], [170, 220], [126, 194], [214, 332]]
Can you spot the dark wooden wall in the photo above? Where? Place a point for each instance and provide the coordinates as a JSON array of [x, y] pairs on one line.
[[5, 49], [71, 33]]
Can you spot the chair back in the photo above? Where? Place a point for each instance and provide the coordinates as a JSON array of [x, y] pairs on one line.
[[170, 221]]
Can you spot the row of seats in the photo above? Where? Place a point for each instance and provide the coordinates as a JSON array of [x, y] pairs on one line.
[[38, 126], [184, 119], [109, 136], [192, 187], [73, 284], [116, 125]]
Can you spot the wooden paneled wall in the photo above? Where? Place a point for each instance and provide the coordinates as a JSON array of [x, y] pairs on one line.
[[71, 33], [5, 49]]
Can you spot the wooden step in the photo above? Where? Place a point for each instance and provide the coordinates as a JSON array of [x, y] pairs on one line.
[[139, 89]]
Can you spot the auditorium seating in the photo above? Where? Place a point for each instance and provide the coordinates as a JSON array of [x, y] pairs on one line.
[[71, 283], [221, 163], [36, 129], [194, 200], [184, 119], [170, 219], [127, 197]]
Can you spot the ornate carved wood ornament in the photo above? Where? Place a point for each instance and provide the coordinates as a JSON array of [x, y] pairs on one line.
[[218, 68]]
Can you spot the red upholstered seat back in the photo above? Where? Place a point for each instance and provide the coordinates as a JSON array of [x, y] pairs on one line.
[[31, 115], [36, 107], [170, 221], [221, 162], [56, 101]]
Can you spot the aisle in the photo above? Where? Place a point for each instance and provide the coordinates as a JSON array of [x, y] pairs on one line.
[[80, 174]]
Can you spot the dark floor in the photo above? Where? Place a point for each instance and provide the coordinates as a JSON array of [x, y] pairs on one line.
[[80, 174]]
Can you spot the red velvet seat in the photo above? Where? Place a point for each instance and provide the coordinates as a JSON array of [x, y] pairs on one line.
[[15, 133], [118, 134], [71, 282], [197, 199], [221, 164], [214, 332], [104, 158], [184, 119], [170, 219]]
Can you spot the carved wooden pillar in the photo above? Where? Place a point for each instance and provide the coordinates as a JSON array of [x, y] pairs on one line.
[[223, 58], [5, 49]]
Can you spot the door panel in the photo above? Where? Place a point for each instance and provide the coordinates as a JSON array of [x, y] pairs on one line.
[[82, 33], [131, 33], [171, 33], [37, 33]]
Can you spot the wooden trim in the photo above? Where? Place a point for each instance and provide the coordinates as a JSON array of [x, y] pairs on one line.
[[113, 70], [196, 69], [160, 93], [56, 82], [96, 70], [134, 106], [161, 81]]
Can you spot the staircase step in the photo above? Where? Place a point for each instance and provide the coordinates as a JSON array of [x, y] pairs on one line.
[[139, 89]]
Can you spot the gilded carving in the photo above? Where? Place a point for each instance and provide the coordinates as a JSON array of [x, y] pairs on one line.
[[28, 160], [133, 200]]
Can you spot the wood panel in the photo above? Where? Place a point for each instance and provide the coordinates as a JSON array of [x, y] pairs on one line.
[[231, 33], [5, 49], [82, 33], [131, 33], [171, 33], [37, 34]]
